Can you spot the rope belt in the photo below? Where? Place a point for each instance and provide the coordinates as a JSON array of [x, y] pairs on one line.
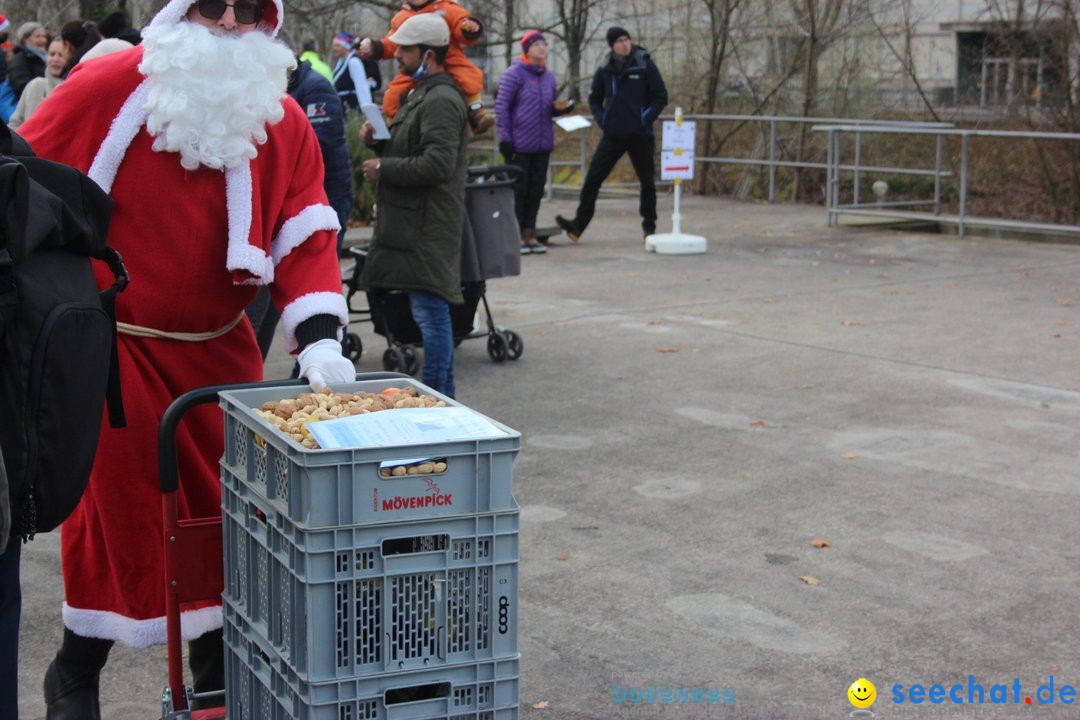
[[146, 332]]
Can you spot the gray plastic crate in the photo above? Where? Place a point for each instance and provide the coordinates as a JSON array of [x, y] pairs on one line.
[[258, 686], [346, 602], [331, 488]]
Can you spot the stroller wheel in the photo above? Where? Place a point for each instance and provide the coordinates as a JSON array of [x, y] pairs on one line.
[[393, 360], [355, 346], [412, 362], [498, 347], [514, 344]]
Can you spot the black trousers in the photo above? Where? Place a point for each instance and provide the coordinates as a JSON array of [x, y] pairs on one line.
[[640, 147], [10, 605], [264, 319], [529, 190]]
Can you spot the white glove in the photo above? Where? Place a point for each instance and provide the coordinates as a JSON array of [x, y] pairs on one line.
[[322, 363], [365, 48]]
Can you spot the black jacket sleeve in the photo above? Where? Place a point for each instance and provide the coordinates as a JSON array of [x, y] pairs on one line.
[[371, 67], [318, 99], [328, 121], [315, 328], [657, 93], [596, 97], [5, 507], [19, 74]]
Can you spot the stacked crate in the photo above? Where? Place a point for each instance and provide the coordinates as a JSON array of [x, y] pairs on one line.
[[354, 596]]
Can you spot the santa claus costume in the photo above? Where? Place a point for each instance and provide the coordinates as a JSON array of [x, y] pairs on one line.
[[217, 181]]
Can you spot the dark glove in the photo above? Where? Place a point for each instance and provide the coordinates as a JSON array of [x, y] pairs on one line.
[[506, 148]]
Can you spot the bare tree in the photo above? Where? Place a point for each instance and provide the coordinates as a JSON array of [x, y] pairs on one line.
[[509, 24], [886, 32], [720, 14], [820, 23], [1030, 71], [573, 29]]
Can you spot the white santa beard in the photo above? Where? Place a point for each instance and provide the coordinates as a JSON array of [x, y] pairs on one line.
[[212, 96]]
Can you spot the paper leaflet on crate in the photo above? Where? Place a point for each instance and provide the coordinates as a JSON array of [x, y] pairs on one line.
[[404, 426]]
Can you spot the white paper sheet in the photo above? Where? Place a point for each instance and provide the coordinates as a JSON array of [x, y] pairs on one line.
[[403, 426], [570, 123], [375, 117]]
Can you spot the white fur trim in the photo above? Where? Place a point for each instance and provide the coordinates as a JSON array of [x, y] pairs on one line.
[[242, 255], [125, 126], [175, 10], [139, 633], [305, 306], [300, 227]]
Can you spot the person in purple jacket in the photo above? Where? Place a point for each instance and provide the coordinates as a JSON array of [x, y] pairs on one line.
[[524, 107]]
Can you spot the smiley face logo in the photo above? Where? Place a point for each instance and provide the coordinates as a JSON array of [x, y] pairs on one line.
[[862, 693]]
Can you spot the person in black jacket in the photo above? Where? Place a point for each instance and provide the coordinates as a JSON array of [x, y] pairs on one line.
[[320, 102], [627, 96], [28, 62], [10, 605]]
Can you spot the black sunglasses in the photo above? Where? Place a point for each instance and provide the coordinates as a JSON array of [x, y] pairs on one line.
[[245, 11]]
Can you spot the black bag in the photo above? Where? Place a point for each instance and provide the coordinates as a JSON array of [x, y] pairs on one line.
[[57, 333]]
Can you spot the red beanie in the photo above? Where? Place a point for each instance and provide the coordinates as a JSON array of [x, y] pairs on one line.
[[529, 38]]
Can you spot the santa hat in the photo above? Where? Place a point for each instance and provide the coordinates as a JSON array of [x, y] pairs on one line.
[[243, 257], [175, 10], [344, 39], [5, 24]]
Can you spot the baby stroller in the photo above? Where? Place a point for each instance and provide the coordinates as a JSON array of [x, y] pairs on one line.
[[490, 248]]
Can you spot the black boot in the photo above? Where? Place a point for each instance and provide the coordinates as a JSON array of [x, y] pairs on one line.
[[71, 682], [206, 655]]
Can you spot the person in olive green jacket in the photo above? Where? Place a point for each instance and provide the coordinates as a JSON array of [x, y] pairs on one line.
[[420, 171]]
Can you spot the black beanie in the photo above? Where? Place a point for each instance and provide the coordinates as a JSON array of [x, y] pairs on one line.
[[614, 33], [113, 24]]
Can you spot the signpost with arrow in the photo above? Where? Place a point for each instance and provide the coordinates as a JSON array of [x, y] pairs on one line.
[[676, 163]]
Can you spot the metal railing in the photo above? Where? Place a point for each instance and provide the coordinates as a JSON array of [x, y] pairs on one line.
[[771, 159], [836, 168], [897, 209], [771, 156]]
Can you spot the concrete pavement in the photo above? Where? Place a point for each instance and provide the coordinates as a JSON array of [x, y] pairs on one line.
[[691, 424]]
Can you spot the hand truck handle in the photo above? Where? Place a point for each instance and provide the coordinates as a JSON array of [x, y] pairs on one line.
[[168, 472]]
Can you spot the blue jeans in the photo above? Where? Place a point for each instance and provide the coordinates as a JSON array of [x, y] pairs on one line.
[[10, 604], [432, 316]]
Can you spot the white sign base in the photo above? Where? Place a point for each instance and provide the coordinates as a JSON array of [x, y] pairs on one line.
[[676, 244]]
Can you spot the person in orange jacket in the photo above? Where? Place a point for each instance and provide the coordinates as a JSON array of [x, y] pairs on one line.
[[464, 30]]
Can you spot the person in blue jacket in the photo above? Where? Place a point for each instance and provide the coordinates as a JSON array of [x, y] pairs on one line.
[[627, 96], [322, 105]]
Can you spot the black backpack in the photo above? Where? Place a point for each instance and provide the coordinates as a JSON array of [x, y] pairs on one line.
[[58, 358]]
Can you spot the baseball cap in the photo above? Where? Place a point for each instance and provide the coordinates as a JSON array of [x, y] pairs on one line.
[[424, 29]]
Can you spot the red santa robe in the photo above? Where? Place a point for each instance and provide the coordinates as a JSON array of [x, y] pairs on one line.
[[197, 245]]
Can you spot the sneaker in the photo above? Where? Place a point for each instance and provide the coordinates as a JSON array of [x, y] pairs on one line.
[[537, 248], [526, 249], [569, 227]]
